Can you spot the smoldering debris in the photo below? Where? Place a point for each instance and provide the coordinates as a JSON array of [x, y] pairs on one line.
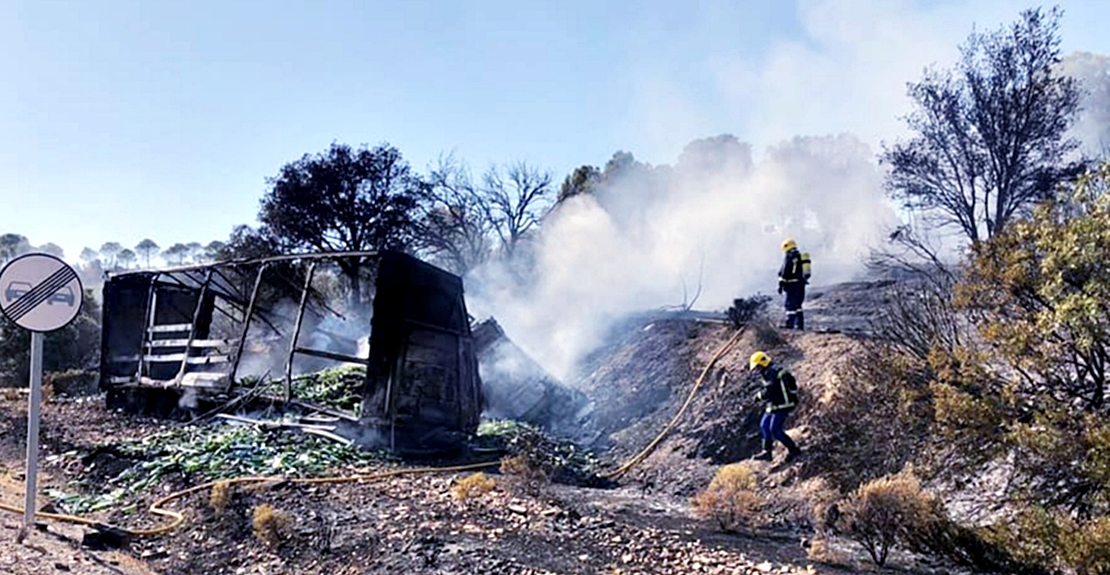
[[517, 388]]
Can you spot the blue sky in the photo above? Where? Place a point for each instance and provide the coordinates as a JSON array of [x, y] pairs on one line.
[[121, 120]]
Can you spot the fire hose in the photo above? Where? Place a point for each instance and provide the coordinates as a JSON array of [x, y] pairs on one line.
[[645, 452], [177, 518]]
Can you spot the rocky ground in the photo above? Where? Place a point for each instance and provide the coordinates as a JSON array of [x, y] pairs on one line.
[[419, 523]]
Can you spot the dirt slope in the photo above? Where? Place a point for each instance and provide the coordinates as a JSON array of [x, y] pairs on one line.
[[642, 378]]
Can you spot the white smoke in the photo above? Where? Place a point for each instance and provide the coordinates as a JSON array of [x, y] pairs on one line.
[[1092, 127], [716, 218], [268, 352]]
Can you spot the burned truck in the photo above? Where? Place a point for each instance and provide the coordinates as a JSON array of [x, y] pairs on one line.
[[208, 335]]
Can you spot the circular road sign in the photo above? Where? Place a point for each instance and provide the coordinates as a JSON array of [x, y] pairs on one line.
[[40, 292]]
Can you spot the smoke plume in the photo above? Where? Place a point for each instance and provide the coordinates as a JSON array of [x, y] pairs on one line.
[[712, 223]]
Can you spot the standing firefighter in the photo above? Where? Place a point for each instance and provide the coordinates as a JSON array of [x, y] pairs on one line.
[[780, 391], [793, 277]]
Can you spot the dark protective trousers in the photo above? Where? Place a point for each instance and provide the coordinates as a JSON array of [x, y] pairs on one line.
[[795, 295], [772, 427]]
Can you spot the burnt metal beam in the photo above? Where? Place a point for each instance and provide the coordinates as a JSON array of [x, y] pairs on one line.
[[193, 327], [332, 355], [271, 259], [317, 300], [232, 298], [270, 325], [233, 287], [247, 321], [297, 332], [151, 303]]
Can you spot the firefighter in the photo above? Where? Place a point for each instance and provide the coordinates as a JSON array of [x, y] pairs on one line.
[[780, 392], [793, 277]]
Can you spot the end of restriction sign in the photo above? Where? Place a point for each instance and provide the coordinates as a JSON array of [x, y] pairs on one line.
[[40, 292]]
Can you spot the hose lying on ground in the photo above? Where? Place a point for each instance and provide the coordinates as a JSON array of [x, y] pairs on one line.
[[158, 507], [645, 452]]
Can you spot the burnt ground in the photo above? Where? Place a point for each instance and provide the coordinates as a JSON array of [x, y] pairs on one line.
[[415, 524]]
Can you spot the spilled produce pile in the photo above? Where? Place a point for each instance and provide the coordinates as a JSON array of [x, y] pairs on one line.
[[116, 475], [338, 388], [529, 447]]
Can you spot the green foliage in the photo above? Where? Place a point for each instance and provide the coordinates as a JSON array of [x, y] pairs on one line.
[[76, 346], [1041, 293], [339, 387], [344, 200], [583, 180], [1051, 540]]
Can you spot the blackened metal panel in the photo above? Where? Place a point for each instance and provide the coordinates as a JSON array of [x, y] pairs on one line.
[[124, 315], [422, 388]]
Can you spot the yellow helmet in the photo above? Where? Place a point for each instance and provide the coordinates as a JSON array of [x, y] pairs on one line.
[[759, 359], [788, 244]]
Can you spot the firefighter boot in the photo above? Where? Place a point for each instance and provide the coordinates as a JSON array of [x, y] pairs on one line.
[[792, 450], [799, 321], [765, 455]]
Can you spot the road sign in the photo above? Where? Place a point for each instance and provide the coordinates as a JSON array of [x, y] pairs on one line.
[[40, 292]]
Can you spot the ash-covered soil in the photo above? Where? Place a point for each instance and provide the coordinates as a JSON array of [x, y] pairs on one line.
[[416, 523], [640, 380], [409, 524]]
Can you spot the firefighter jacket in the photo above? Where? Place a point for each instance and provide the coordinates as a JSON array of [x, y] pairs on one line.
[[792, 271], [780, 390]]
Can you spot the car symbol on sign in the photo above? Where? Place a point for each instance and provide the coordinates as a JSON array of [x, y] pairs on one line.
[[16, 290]]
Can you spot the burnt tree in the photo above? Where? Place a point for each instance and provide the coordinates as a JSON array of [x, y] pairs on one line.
[[990, 134]]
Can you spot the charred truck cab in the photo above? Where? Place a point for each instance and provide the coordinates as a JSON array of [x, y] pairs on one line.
[[204, 335]]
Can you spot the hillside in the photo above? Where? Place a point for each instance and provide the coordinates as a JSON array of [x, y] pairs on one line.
[[416, 524]]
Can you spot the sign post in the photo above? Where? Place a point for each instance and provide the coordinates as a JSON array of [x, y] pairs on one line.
[[40, 293]]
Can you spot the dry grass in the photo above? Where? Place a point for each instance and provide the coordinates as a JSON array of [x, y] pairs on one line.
[[219, 497], [526, 473], [820, 551], [474, 485], [269, 524], [731, 499]]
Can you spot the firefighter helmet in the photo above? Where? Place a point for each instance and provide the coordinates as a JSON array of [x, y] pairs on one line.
[[759, 359]]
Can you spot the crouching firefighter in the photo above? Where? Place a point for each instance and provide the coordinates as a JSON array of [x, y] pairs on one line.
[[793, 277], [780, 392]]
